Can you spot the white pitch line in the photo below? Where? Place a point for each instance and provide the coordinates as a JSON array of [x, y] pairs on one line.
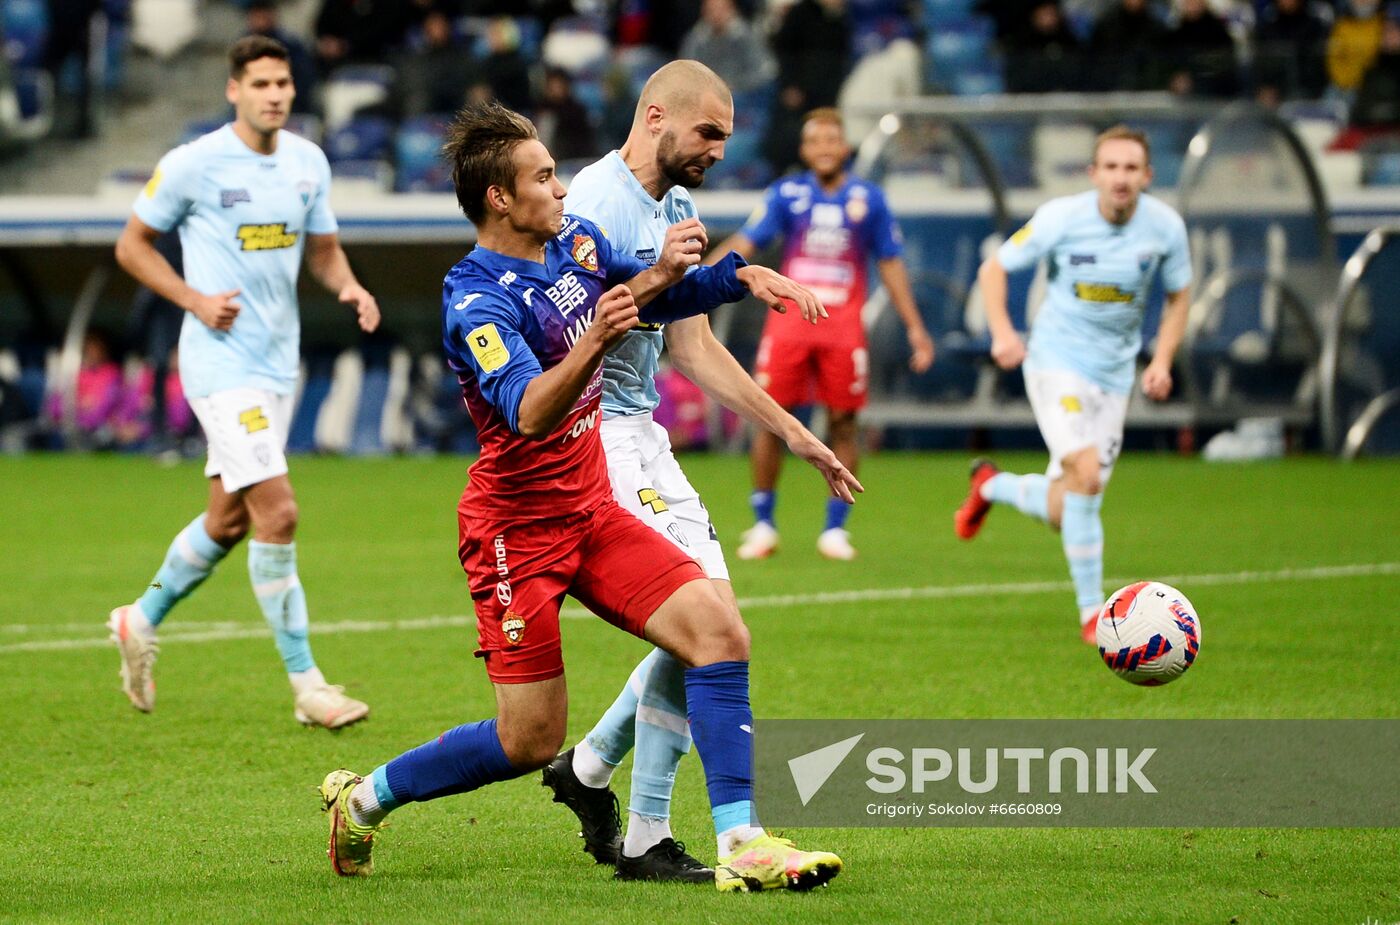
[[213, 632]]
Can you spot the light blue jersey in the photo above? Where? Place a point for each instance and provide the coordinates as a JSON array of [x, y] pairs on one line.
[[609, 195], [1100, 274], [243, 220]]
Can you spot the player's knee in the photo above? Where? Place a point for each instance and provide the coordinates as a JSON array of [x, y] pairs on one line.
[[229, 533], [530, 743], [279, 519], [1082, 474], [842, 425]]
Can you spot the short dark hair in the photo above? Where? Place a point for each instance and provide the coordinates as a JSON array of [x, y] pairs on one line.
[[251, 48], [480, 146]]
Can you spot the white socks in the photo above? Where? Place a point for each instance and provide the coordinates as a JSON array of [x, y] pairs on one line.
[[303, 681], [644, 833], [590, 768], [364, 805], [731, 840]]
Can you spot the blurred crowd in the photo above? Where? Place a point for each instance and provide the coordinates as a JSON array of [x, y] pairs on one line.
[[575, 65]]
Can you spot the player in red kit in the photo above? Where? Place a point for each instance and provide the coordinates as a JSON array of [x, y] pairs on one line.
[[527, 318], [832, 224]]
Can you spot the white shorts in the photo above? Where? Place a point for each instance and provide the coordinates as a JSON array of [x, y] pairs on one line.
[[1074, 413], [647, 480], [247, 434]]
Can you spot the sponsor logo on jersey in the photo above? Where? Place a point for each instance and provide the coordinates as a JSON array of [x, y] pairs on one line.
[[585, 252], [228, 198], [565, 231], [467, 299], [503, 592], [567, 292], [507, 278], [488, 348], [651, 499], [1103, 292], [1071, 403], [647, 255], [513, 628], [253, 419], [269, 237], [1076, 260]]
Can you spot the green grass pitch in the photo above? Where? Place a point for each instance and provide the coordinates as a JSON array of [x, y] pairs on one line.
[[206, 810]]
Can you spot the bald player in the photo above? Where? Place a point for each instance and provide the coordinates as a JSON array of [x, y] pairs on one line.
[[682, 121]]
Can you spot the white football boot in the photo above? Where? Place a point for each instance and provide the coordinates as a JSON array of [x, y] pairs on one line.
[[328, 706], [136, 641], [760, 541], [836, 544]]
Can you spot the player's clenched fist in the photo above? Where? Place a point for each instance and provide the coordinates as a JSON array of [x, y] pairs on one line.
[[1008, 351], [217, 311], [683, 248], [615, 315]]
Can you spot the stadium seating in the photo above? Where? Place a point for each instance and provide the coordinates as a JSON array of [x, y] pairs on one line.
[[417, 160]]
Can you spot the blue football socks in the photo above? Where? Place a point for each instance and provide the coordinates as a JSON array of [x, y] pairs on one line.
[[663, 737], [1081, 531], [272, 567], [458, 761], [189, 560], [764, 503], [1029, 494], [722, 723], [836, 513]]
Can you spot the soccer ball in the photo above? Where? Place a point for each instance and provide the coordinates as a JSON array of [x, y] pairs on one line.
[[1148, 633]]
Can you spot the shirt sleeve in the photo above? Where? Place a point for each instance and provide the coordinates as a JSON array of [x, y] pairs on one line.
[[482, 333], [885, 238], [320, 219], [768, 220], [701, 290], [171, 191], [1036, 238], [1176, 268]]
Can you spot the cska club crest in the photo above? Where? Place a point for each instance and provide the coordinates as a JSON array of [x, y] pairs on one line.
[[586, 252], [513, 628]]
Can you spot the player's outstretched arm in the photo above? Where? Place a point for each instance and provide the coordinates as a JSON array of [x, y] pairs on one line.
[[739, 243], [1157, 378], [1008, 350], [895, 277], [327, 261], [700, 357], [550, 396], [137, 254]]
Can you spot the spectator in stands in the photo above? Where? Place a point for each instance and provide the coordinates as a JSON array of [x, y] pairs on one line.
[[436, 76], [1290, 43], [1044, 56], [359, 31], [562, 121], [813, 46], [1126, 48], [877, 23], [504, 70], [98, 393], [1201, 53], [135, 417], [1377, 107], [262, 20], [1008, 16], [1353, 45], [70, 37], [724, 41]]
